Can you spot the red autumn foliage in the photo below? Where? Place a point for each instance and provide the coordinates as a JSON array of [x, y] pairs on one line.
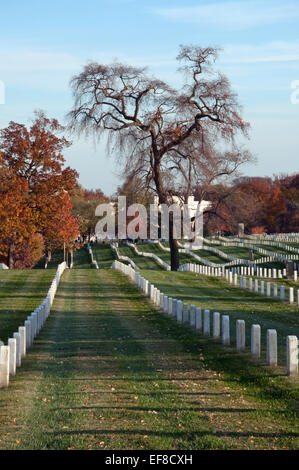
[[258, 230], [268, 205], [35, 189]]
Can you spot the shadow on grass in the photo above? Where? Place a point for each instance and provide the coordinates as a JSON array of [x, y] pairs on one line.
[[191, 435], [102, 338]]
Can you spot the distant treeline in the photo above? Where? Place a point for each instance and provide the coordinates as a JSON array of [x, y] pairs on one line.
[[262, 204]]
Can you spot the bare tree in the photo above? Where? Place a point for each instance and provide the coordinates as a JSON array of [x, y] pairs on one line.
[[151, 124]]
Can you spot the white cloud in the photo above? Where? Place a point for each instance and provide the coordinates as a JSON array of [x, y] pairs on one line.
[[46, 70], [273, 58], [51, 70], [37, 69], [233, 14], [18, 59], [275, 51]]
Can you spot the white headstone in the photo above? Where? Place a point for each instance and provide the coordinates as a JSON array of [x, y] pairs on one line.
[[291, 295], [225, 329], [179, 314], [174, 307], [18, 348], [198, 319], [169, 306], [185, 313], [4, 366], [240, 335], [272, 347], [256, 341], [216, 325], [12, 343], [292, 355], [22, 331], [206, 323], [192, 315]]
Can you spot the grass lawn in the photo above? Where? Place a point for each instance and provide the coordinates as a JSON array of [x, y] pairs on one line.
[[21, 291], [239, 252], [209, 256], [141, 261], [217, 295], [56, 258], [82, 259], [164, 255], [272, 264], [110, 371], [235, 251], [103, 254]]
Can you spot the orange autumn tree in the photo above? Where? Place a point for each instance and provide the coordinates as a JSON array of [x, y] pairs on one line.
[[85, 202], [29, 252], [16, 222], [270, 203], [62, 228], [34, 157]]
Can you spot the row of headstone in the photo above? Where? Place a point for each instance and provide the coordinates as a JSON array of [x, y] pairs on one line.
[[114, 247], [252, 271], [246, 242], [17, 346], [217, 327], [248, 264], [202, 269], [268, 289], [271, 273], [94, 262], [147, 254], [279, 244]]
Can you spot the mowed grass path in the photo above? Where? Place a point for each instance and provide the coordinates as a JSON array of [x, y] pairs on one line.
[[109, 371]]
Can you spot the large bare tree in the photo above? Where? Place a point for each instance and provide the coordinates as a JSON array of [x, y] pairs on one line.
[[155, 127]]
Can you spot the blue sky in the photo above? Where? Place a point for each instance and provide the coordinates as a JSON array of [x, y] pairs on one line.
[[43, 44]]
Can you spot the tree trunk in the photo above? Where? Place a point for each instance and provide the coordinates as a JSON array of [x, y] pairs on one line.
[[174, 254], [10, 257], [173, 244], [174, 248]]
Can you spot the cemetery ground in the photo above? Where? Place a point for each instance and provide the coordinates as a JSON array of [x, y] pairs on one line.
[[111, 371]]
